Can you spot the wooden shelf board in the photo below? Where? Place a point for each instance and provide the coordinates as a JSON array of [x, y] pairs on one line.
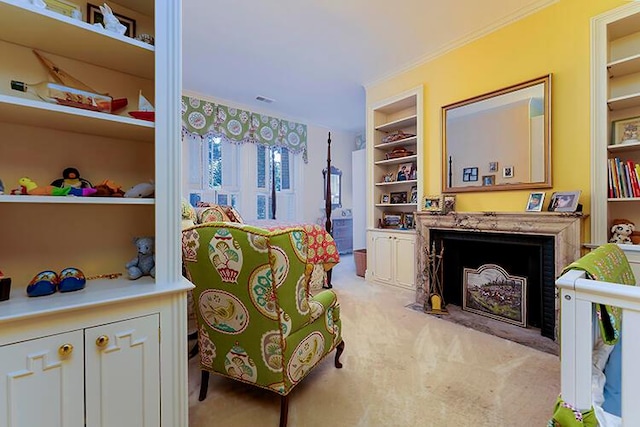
[[408, 181], [624, 147], [623, 27], [406, 142], [48, 31], [624, 66], [398, 124], [395, 204], [622, 102], [624, 199], [53, 116], [9, 198], [397, 161]]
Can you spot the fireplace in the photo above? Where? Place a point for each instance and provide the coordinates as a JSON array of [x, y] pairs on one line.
[[532, 245], [530, 257]]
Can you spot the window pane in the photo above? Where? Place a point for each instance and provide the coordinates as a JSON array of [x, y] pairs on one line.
[[285, 167], [276, 162], [262, 207], [223, 199], [213, 169], [262, 175]]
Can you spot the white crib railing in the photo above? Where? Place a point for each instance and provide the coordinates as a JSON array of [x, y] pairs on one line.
[[577, 296]]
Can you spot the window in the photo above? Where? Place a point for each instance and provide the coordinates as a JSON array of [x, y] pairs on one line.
[[274, 164]]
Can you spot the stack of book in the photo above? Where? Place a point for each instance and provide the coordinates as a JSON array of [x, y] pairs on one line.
[[624, 178]]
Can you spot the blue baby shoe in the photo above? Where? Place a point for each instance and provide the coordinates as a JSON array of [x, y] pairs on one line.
[[44, 283], [71, 279]]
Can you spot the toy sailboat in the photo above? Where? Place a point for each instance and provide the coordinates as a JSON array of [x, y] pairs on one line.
[[145, 109]]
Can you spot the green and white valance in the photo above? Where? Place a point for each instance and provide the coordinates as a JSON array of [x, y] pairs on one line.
[[205, 118]]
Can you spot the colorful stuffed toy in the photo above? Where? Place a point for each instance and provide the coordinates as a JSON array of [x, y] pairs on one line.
[[621, 231], [108, 188], [28, 186], [71, 178]]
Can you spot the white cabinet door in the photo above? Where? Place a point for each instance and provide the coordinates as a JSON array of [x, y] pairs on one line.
[[381, 258], [404, 260], [41, 382], [123, 374]]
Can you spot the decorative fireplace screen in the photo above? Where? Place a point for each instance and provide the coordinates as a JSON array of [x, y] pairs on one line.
[[491, 291]]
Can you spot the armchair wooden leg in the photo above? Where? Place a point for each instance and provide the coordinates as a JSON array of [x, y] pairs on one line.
[[339, 350], [329, 274], [204, 385], [284, 410], [194, 351]]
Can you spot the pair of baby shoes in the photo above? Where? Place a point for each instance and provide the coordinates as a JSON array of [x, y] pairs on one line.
[[47, 282]]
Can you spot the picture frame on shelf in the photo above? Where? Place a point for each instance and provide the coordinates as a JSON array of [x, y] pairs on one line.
[[385, 198], [470, 174], [389, 177], [507, 172], [65, 8], [535, 202], [94, 16], [449, 201], [413, 194], [488, 180], [408, 221], [564, 201], [626, 131], [398, 197], [392, 220], [433, 203], [404, 172], [493, 166]]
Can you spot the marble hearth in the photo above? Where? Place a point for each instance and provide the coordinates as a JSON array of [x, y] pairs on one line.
[[564, 228]]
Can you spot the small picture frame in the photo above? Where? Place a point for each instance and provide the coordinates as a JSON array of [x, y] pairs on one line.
[[625, 131], [64, 7], [433, 203], [449, 203], [507, 172], [413, 198], [469, 174], [564, 201], [385, 198], [488, 180], [404, 172], [94, 16], [398, 197], [392, 220], [407, 221], [534, 204], [493, 166], [389, 177]]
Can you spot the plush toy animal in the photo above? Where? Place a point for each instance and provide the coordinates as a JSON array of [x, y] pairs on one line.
[[144, 189], [621, 232], [144, 264]]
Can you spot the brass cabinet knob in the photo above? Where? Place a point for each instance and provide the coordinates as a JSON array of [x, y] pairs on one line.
[[102, 341], [65, 349]]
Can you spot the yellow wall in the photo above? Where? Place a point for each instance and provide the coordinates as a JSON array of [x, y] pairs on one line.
[[554, 40]]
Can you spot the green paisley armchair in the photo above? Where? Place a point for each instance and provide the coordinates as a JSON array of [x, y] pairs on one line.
[[257, 322]]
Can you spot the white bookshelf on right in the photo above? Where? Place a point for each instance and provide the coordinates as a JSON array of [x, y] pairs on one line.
[[615, 83]]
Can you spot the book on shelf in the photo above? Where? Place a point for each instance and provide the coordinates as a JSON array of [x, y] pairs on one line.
[[623, 178]]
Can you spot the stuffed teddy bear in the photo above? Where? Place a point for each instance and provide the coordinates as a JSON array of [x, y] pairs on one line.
[[622, 231], [144, 264]]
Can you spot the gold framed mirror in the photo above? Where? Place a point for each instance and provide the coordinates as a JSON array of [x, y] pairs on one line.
[[499, 140]]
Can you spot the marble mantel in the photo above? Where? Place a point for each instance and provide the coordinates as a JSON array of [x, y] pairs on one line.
[[564, 227]]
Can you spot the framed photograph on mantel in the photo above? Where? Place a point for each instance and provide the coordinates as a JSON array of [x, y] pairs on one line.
[[564, 201]]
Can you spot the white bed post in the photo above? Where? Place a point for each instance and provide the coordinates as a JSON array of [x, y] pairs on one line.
[[630, 371]]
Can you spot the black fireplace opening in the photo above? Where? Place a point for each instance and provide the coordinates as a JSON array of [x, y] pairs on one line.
[[530, 256]]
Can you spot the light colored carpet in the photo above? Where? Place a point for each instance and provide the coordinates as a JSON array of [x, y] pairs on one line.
[[401, 368]]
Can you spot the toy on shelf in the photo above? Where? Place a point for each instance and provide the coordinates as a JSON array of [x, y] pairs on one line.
[[5, 286], [111, 23], [145, 110], [108, 188], [28, 186], [144, 264], [1, 187], [144, 189], [71, 178]]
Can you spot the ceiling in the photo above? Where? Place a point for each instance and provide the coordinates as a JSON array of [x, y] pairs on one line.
[[314, 57]]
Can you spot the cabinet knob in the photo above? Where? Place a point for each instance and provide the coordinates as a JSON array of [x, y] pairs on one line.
[[65, 349], [102, 341]]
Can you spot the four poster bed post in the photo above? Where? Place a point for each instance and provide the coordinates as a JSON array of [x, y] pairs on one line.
[[327, 201]]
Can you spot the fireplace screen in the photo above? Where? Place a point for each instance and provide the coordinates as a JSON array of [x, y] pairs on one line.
[[492, 292]]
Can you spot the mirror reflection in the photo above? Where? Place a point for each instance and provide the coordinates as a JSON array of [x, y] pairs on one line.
[[499, 140], [336, 186]]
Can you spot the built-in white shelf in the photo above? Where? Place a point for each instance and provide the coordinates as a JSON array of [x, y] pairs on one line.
[[409, 181], [398, 124], [623, 199], [38, 113], [624, 66], [26, 25], [396, 204], [624, 147], [399, 160], [401, 142], [11, 198], [622, 102]]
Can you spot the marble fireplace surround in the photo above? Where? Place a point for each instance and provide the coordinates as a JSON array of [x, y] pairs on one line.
[[564, 227]]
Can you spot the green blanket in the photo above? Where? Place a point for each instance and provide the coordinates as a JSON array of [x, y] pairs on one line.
[[607, 263]]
